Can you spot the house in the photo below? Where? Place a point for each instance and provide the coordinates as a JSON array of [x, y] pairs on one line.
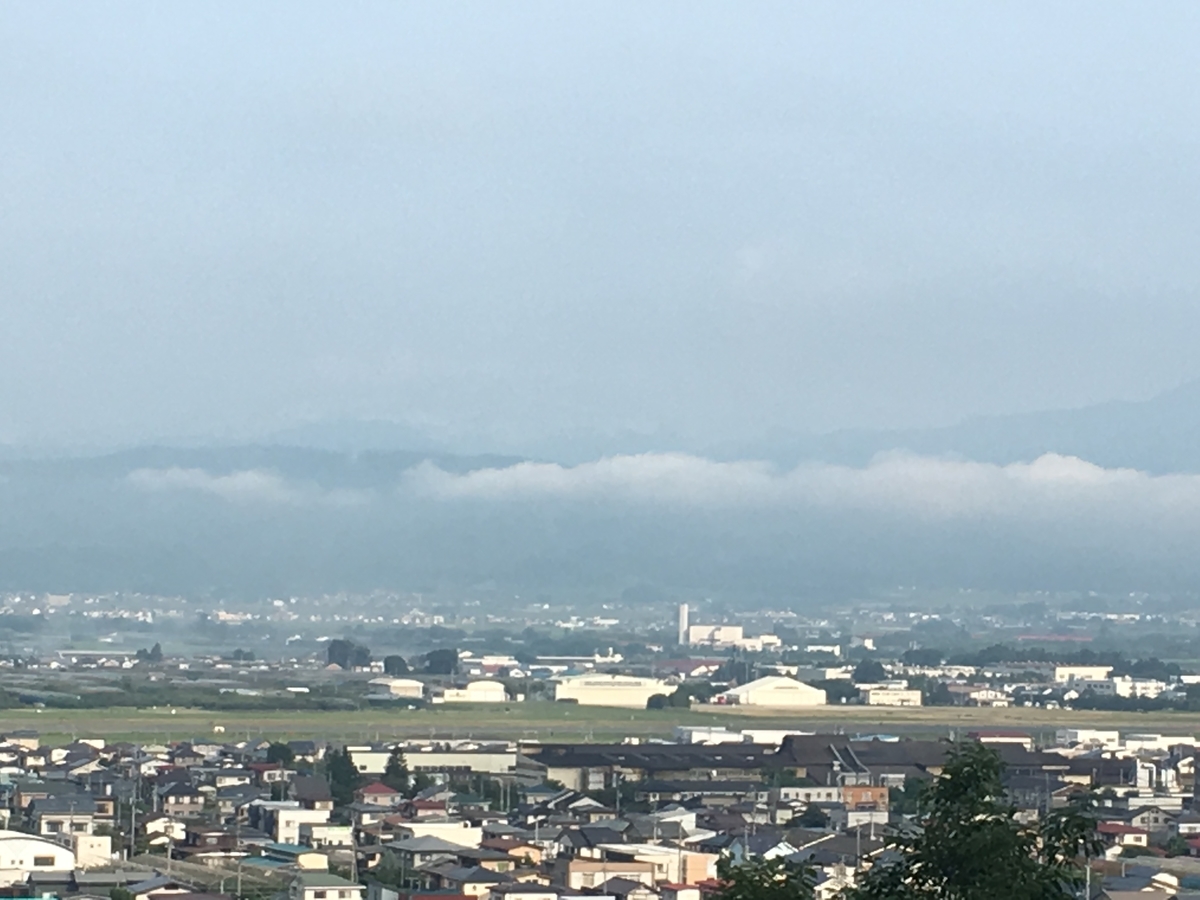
[[297, 856], [307, 751], [286, 822], [161, 829], [522, 852], [180, 798], [311, 793], [67, 814], [210, 846], [378, 794], [473, 881], [1150, 818], [1118, 834], [25, 856], [322, 836], [492, 860], [414, 852], [627, 889], [163, 885], [322, 886], [223, 778], [523, 890], [586, 874], [186, 757]]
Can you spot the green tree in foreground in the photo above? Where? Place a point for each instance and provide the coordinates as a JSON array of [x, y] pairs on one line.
[[343, 775], [395, 774], [969, 845], [764, 879]]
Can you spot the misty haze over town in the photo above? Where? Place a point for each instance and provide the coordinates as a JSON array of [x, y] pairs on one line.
[[583, 451]]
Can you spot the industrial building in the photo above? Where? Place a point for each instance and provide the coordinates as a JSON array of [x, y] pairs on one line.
[[397, 688], [892, 696], [610, 690], [774, 691], [476, 692]]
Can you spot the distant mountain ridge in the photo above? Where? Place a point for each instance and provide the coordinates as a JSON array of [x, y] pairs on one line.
[[1159, 435]]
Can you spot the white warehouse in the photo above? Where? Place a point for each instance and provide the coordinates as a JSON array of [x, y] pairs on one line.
[[476, 692], [777, 691], [610, 690]]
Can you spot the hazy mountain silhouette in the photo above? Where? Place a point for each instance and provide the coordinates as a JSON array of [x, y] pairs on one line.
[[1158, 435]]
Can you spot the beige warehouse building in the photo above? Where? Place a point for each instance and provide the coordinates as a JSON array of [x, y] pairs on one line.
[[610, 690], [397, 687], [476, 692], [777, 691]]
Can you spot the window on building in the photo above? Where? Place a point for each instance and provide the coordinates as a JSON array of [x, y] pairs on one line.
[[53, 827], [319, 895], [79, 827], [43, 862]]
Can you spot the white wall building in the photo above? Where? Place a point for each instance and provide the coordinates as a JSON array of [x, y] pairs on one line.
[[890, 696], [369, 760], [406, 688], [476, 692], [1067, 674], [610, 690], [22, 855], [1091, 737], [715, 635], [777, 691]]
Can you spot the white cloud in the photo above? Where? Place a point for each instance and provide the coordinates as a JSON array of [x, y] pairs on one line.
[[1051, 485], [1048, 488], [247, 486]]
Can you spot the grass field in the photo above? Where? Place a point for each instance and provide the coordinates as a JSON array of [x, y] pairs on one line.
[[548, 722]]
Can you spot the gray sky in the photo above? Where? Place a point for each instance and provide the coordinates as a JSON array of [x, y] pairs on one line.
[[511, 220]]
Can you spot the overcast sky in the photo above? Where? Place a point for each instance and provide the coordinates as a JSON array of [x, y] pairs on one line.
[[513, 220]]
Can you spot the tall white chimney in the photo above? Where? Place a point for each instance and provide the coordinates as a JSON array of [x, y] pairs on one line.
[[683, 624]]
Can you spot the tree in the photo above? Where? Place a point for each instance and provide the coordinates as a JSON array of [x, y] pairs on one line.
[[153, 655], [441, 662], [1177, 845], [395, 665], [923, 656], [812, 817], [906, 801], [395, 774], [970, 846], [869, 671], [338, 652], [360, 657], [764, 879], [657, 701], [343, 776], [280, 753], [347, 654]]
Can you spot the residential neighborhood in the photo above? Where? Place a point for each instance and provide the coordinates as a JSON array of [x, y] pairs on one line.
[[516, 820]]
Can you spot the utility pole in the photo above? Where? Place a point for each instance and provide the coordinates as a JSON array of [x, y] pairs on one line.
[[137, 789]]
